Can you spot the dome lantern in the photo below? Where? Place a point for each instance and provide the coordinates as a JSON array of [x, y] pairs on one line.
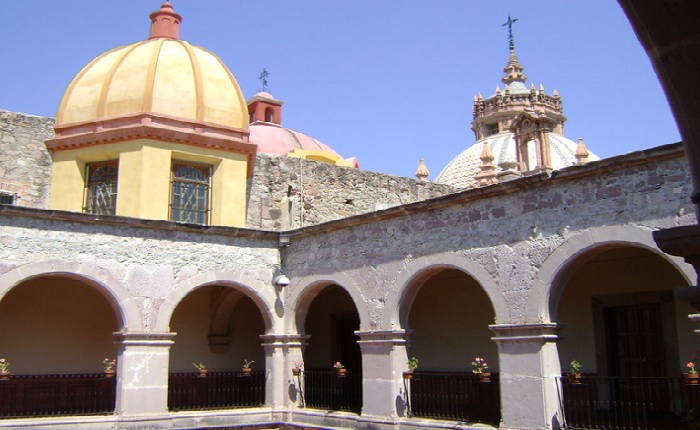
[[165, 23]]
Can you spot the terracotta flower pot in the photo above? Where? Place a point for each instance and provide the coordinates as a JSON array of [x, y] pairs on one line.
[[109, 374], [408, 374], [4, 376], [692, 378], [247, 371], [296, 371], [341, 373], [203, 373], [485, 377], [574, 378]]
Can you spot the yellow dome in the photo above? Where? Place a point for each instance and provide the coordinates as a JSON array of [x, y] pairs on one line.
[[164, 76]]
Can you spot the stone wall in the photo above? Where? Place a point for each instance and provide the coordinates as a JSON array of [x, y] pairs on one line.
[[25, 164], [287, 193], [507, 230]]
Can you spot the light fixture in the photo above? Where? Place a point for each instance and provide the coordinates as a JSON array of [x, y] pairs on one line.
[[281, 280]]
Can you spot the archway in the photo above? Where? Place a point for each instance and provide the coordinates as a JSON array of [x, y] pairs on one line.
[[448, 323], [57, 324], [218, 329], [331, 322], [621, 321], [57, 334]]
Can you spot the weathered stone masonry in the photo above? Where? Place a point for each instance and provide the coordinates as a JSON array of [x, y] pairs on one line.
[[25, 164]]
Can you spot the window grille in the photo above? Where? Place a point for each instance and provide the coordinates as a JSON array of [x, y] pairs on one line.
[[101, 193], [190, 192]]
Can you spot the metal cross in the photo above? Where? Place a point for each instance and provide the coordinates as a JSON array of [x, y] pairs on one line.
[[263, 78], [511, 39]]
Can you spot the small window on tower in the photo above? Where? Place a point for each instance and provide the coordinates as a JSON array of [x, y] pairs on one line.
[[7, 198], [101, 188], [493, 129]]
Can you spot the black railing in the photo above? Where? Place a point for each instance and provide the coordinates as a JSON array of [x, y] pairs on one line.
[[617, 403], [219, 390], [57, 394], [324, 389], [460, 396]]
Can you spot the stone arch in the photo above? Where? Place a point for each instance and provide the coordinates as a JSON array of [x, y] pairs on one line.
[[246, 284], [119, 298], [552, 276], [404, 289], [305, 289]]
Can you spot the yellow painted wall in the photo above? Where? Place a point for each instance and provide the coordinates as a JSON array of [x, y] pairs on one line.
[[143, 189]]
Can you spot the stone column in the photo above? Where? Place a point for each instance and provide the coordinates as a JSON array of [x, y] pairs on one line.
[[282, 351], [529, 375], [383, 362], [142, 376]]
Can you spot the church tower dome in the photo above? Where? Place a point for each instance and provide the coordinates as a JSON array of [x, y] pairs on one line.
[[522, 128]]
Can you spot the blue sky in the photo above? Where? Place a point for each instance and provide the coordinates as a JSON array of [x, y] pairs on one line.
[[386, 81]]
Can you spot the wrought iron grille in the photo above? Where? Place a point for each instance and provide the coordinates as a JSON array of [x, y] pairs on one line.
[[190, 192], [219, 390], [102, 188]]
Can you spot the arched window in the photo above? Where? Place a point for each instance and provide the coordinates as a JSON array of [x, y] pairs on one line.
[[269, 115]]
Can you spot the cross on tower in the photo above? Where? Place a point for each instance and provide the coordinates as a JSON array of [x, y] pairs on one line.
[[263, 78], [511, 39]]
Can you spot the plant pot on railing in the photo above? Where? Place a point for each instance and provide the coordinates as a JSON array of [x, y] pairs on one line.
[[341, 373], [691, 378], [203, 373], [485, 377], [574, 378], [109, 373], [4, 376], [408, 374], [296, 371], [247, 371]]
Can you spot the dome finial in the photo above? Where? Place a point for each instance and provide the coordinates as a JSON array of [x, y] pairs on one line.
[[422, 172], [165, 23]]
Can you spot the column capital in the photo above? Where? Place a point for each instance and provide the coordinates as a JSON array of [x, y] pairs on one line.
[[286, 340], [539, 332], [144, 338], [378, 337]]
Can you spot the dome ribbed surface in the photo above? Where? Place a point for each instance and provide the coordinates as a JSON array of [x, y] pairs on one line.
[[168, 77], [461, 170]]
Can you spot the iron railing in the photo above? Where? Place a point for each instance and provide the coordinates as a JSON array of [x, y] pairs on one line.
[[457, 396], [219, 390], [57, 394], [639, 403], [324, 389]]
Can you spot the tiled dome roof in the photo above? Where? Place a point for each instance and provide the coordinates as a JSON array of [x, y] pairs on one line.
[[461, 170]]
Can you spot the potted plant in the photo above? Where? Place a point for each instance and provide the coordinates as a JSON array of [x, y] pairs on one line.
[[108, 367], [412, 366], [691, 378], [246, 367], [575, 374], [481, 369], [340, 369], [202, 369], [298, 368], [4, 369]]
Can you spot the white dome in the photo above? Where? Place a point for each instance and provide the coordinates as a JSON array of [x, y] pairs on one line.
[[461, 170]]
